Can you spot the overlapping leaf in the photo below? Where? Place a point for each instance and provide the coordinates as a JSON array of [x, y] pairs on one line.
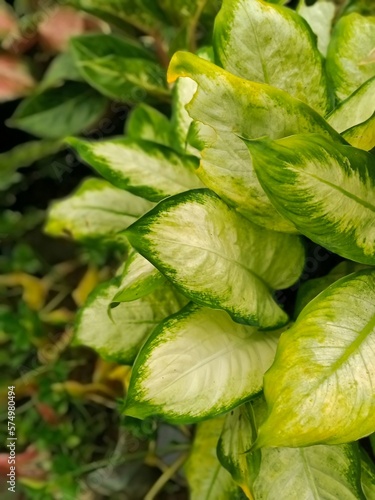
[[351, 43], [198, 364], [320, 17], [227, 106], [356, 109], [214, 256], [118, 68], [206, 477], [58, 112], [245, 45], [148, 124], [146, 169], [143, 14], [118, 334], [139, 278], [325, 189], [320, 388], [95, 210]]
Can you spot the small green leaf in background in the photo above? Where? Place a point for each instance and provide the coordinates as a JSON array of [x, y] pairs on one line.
[[351, 43], [142, 14], [245, 45], [355, 109], [248, 109], [320, 17], [25, 155], [220, 365], [213, 255], [119, 68], [58, 112], [326, 189], [146, 169], [148, 124], [61, 69], [207, 479], [320, 387], [118, 333], [139, 278], [96, 210]]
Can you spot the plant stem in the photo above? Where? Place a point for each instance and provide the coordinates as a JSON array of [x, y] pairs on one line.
[[165, 477]]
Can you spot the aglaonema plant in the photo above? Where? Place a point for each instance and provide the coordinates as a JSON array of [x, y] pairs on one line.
[[269, 144]]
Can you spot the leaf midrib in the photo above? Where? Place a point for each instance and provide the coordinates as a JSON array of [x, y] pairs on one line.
[[338, 188], [250, 271]]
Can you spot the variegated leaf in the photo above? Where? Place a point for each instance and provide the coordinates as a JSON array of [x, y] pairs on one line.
[[118, 68], [368, 476], [352, 41], [363, 135], [207, 479], [198, 364], [356, 109], [320, 17], [148, 124], [320, 388], [214, 256], [226, 106], [143, 168], [117, 334], [236, 439], [247, 39], [326, 189], [318, 472], [96, 210], [139, 278]]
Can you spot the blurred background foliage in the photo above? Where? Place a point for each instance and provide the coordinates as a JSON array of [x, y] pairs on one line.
[[72, 442]]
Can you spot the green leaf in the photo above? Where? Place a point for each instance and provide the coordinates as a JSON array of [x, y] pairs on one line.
[[320, 19], [319, 472], [283, 473], [207, 479], [320, 388], [356, 109], [146, 169], [56, 113], [237, 437], [118, 68], [311, 288], [61, 69], [142, 14], [183, 92], [94, 211], [325, 189], [118, 335], [363, 135], [213, 255], [27, 153], [351, 43], [139, 278], [248, 109], [245, 44], [148, 124], [368, 476], [198, 364]]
